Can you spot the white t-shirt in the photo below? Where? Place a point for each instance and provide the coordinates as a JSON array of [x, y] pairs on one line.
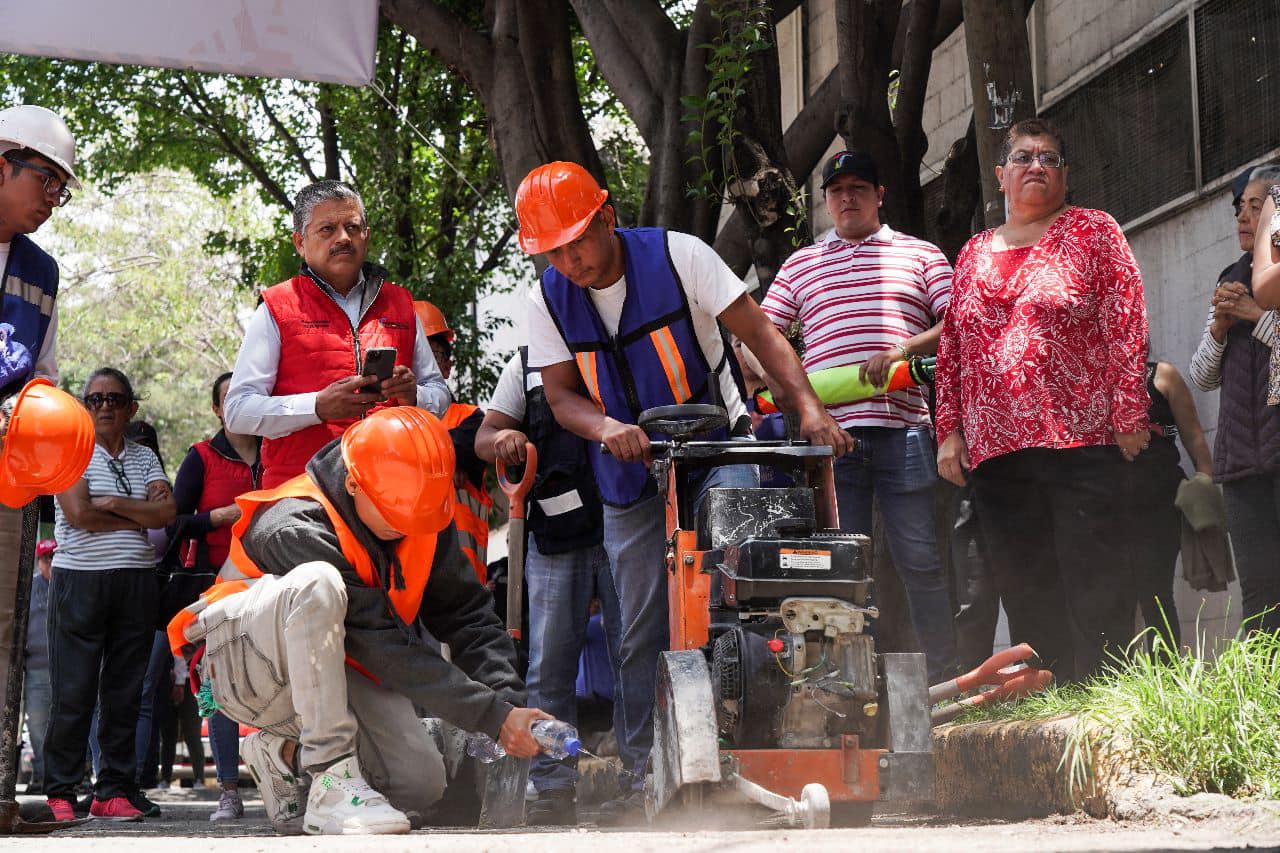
[[709, 285], [509, 394], [81, 550]]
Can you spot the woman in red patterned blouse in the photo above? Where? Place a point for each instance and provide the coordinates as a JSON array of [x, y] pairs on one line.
[[1041, 393]]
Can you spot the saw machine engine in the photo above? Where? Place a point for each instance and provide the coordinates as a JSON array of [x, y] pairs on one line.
[[798, 669]]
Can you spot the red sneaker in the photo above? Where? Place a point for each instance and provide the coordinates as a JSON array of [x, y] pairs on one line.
[[63, 809], [116, 808]]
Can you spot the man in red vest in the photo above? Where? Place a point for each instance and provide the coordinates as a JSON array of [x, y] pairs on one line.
[[297, 379]]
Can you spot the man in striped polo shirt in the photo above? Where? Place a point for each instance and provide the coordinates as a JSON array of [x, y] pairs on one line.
[[868, 294]]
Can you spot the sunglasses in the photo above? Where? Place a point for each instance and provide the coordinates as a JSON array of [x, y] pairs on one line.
[[114, 400], [122, 477]]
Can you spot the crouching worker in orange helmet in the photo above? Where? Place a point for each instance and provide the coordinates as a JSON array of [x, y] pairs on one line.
[[355, 560]]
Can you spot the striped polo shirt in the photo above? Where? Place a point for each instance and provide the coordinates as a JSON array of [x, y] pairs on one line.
[[854, 300], [81, 550]]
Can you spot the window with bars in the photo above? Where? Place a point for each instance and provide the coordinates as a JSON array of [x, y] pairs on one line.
[[1129, 133], [1238, 82]]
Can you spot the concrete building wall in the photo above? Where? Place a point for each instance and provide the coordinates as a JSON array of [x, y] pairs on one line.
[[1074, 33], [1181, 257]]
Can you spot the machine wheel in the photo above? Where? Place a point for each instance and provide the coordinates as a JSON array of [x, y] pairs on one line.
[[817, 806], [851, 814]]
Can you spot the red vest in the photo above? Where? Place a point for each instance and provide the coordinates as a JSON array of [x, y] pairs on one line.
[[224, 481], [318, 347]]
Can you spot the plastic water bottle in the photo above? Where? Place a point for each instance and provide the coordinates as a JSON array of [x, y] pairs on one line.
[[484, 748], [557, 739]]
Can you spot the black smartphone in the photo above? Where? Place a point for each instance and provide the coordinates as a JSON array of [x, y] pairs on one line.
[[379, 362]]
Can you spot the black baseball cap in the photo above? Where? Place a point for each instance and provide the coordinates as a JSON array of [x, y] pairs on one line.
[[856, 163]]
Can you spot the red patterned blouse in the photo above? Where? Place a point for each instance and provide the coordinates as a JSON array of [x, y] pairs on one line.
[[1051, 353]]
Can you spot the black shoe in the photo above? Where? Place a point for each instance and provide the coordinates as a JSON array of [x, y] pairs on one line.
[[139, 801], [81, 807], [34, 788], [626, 810], [553, 808]]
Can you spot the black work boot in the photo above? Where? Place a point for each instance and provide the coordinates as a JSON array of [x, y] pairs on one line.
[[625, 810], [553, 808]]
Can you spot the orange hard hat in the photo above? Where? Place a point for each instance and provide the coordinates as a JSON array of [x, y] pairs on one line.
[[432, 319], [555, 203], [402, 459], [47, 446]]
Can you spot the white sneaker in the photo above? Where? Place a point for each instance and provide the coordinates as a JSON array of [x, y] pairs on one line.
[[342, 803], [283, 793]]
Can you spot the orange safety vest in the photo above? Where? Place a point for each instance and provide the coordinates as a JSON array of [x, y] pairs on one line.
[[415, 553], [472, 507]]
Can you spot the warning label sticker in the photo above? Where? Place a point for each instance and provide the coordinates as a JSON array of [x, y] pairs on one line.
[[801, 558]]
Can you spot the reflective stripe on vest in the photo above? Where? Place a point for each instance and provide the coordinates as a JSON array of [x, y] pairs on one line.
[[322, 348], [655, 359], [472, 507]]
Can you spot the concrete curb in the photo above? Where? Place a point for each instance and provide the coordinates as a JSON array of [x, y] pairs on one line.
[[1016, 770]]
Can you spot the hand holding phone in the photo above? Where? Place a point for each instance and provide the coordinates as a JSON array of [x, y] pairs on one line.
[[378, 363]]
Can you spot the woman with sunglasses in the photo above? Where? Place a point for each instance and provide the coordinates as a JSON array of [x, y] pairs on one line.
[[104, 599]]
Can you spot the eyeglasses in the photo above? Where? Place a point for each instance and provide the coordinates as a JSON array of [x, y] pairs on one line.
[[1048, 159], [114, 400], [53, 185], [122, 478]]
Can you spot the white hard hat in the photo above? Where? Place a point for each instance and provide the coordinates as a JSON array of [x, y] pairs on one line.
[[44, 132]]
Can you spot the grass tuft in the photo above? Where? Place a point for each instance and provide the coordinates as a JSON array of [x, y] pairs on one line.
[[1207, 725]]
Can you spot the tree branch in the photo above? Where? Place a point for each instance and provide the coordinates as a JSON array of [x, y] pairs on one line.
[[805, 141], [217, 126], [466, 51], [290, 141], [633, 47]]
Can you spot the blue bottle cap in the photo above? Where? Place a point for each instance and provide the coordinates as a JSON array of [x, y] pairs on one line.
[[572, 745]]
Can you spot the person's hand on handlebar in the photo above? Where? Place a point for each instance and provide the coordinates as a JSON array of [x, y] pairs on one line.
[[626, 442], [820, 428]]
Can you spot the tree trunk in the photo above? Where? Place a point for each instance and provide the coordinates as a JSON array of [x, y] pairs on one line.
[[961, 195], [865, 31], [761, 186], [908, 111], [1003, 93], [522, 68]]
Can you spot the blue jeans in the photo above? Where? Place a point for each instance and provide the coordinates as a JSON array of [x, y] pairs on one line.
[[224, 742], [634, 539], [37, 696], [560, 588], [898, 467], [155, 689]]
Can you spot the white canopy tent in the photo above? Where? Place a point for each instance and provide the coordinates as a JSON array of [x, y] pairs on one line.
[[329, 41]]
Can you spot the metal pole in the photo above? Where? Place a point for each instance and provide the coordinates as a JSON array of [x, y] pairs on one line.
[[10, 718]]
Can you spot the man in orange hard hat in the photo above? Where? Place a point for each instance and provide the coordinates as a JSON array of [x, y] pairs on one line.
[[298, 380], [471, 509], [632, 316], [355, 559]]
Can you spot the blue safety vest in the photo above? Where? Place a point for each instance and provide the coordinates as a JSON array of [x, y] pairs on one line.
[[30, 286], [654, 360]]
